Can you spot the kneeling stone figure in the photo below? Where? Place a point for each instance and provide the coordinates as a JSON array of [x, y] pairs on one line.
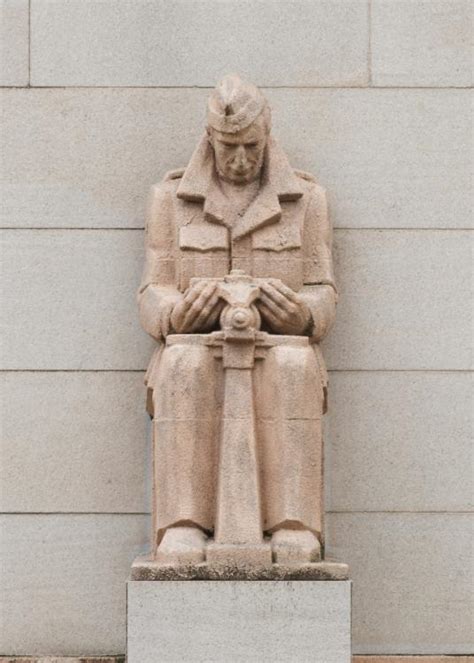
[[238, 291]]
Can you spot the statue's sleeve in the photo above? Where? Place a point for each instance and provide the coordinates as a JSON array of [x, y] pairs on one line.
[[158, 293], [319, 291]]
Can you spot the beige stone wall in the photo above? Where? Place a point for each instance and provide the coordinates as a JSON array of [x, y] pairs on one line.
[[100, 98]]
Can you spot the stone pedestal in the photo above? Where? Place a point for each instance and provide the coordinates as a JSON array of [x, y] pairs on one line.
[[226, 621]]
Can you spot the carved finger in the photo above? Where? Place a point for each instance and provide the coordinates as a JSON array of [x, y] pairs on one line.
[[206, 311], [270, 304], [214, 314], [198, 304], [287, 292], [277, 297], [269, 316], [177, 316], [193, 292]]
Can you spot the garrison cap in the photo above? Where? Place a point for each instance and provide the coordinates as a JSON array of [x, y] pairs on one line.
[[234, 104]]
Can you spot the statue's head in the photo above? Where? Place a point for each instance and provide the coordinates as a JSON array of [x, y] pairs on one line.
[[238, 125]]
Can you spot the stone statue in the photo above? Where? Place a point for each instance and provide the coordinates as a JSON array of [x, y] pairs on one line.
[[238, 291]]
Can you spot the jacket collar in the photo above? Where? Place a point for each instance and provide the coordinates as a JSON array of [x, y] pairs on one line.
[[279, 184]]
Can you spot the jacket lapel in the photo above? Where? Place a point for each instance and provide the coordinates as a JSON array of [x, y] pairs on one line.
[[279, 184]]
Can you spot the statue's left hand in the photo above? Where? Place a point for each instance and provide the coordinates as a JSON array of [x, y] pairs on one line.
[[283, 309]]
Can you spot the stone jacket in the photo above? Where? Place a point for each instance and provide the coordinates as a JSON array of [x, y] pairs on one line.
[[285, 233]]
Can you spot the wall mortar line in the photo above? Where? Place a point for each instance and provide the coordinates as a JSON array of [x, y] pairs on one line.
[[142, 228], [262, 87], [143, 370]]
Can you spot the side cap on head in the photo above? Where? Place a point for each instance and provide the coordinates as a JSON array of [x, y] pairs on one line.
[[234, 104]]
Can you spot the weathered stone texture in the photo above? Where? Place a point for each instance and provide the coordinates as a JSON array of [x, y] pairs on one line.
[[403, 301], [69, 300], [86, 158], [231, 621], [195, 43], [84, 431], [417, 284], [390, 159], [62, 582], [390, 436], [14, 67], [422, 42], [408, 571], [85, 455], [69, 572]]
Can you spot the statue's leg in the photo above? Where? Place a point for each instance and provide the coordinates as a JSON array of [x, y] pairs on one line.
[[186, 405], [289, 399]]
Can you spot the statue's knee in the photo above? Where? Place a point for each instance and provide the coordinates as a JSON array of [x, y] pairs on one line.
[[290, 360], [183, 363], [296, 373], [182, 358]]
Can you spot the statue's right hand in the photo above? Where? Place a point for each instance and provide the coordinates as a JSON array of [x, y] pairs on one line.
[[198, 310]]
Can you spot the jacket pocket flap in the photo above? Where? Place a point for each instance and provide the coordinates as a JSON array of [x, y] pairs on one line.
[[275, 238], [203, 237]]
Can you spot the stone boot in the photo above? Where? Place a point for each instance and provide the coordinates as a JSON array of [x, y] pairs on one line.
[[182, 545], [290, 546]]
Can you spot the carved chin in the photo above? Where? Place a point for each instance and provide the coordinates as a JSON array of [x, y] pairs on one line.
[[240, 178]]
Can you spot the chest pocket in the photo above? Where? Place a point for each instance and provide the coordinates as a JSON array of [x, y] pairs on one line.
[[203, 252], [203, 237], [277, 238], [276, 252]]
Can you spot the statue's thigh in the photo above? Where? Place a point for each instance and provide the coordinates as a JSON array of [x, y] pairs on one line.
[[288, 384], [289, 410], [188, 384], [186, 426]]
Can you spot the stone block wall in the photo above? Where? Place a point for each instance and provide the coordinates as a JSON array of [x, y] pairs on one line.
[[100, 97]]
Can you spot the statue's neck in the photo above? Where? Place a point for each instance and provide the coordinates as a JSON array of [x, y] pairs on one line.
[[239, 197]]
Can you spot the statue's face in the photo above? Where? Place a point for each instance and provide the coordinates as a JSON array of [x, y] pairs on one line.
[[239, 156]]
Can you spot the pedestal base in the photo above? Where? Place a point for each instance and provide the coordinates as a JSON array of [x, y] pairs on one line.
[[235, 555], [146, 568], [228, 621]]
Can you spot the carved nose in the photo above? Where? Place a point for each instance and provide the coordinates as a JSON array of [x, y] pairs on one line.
[[240, 155]]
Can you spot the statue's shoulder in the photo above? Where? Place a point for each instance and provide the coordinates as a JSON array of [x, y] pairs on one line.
[[303, 175], [311, 183], [172, 175], [169, 183]]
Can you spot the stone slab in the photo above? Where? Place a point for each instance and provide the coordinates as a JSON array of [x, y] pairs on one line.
[[386, 157], [195, 43], [87, 432], [403, 301], [14, 66], [144, 568], [69, 300], [385, 430], [412, 577], [62, 582], [422, 42], [239, 621], [87, 157]]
